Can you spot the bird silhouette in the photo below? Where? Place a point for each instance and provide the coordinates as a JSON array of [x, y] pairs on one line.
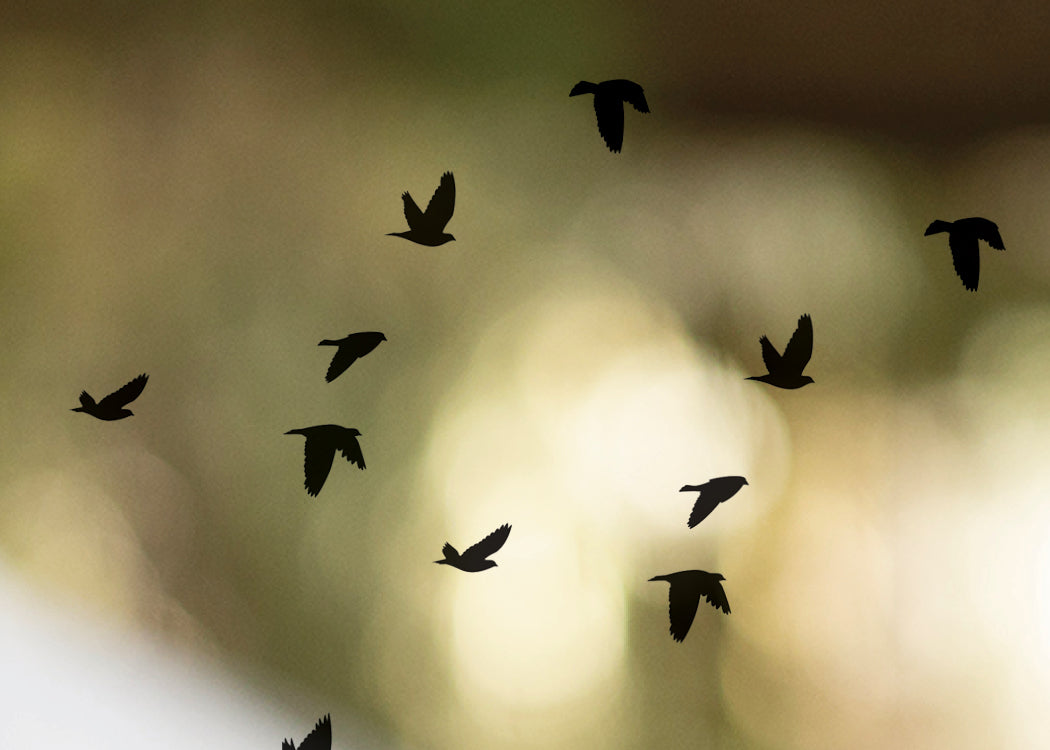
[[319, 739], [473, 558], [428, 228], [687, 586], [712, 493], [322, 441], [112, 406], [609, 97], [350, 349], [962, 239], [786, 371]]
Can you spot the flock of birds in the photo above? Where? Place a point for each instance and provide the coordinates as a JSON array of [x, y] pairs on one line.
[[428, 228]]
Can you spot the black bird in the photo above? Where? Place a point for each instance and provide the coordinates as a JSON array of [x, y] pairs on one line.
[[350, 349], [112, 406], [962, 239], [786, 371], [319, 739], [609, 97], [428, 228], [687, 586], [711, 494], [473, 558], [322, 441]]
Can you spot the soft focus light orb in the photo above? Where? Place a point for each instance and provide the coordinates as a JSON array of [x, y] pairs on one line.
[[580, 416]]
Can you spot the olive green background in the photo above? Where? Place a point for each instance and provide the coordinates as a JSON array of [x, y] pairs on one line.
[[201, 192]]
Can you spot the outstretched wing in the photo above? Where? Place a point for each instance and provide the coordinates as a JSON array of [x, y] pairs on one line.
[[351, 450], [609, 110], [770, 356], [632, 92], [319, 454], [684, 599], [321, 737], [703, 506], [989, 232], [125, 394], [800, 348], [966, 258], [712, 590], [442, 203], [345, 356], [489, 544], [412, 213]]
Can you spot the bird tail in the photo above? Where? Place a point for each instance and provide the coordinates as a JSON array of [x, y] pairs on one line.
[[936, 227], [86, 402], [583, 87], [450, 553]]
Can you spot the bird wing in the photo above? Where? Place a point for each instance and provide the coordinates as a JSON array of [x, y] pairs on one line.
[[703, 506], [449, 551], [319, 454], [684, 599], [85, 400], [966, 258], [632, 92], [320, 738], [800, 348], [770, 355], [345, 356], [442, 203], [714, 594], [609, 110], [989, 232], [125, 394], [351, 450], [412, 213], [489, 544]]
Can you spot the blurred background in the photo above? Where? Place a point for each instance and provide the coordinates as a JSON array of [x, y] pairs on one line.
[[201, 192]]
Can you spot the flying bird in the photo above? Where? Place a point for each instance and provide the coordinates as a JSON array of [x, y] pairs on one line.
[[322, 441], [786, 371], [319, 739], [351, 348], [112, 406], [428, 227], [687, 586], [473, 558], [609, 97], [962, 240], [712, 493]]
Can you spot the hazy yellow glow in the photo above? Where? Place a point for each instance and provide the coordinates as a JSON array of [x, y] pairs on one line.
[[593, 412]]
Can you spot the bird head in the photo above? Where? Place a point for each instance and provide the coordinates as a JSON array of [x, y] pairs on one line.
[[446, 237], [806, 379], [354, 431], [382, 337], [720, 577]]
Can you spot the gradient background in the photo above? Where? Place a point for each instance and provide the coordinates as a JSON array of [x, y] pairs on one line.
[[201, 191]]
